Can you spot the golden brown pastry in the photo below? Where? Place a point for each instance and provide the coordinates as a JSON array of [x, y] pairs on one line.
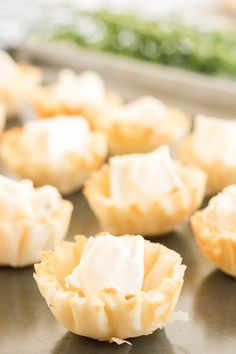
[[61, 152], [73, 94], [17, 81], [215, 230], [146, 194], [212, 147], [110, 288], [31, 220], [143, 125]]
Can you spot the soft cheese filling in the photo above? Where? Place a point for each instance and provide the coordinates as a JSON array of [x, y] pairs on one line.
[[137, 178], [58, 136], [86, 88], [215, 139], [20, 200], [221, 211], [147, 111], [110, 262]]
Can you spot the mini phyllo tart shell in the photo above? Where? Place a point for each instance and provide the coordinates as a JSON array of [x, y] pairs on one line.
[[126, 137], [67, 175], [158, 217], [45, 105], [217, 246], [109, 315], [22, 240], [15, 93], [219, 174]]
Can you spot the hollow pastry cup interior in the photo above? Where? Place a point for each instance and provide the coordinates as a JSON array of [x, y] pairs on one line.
[[67, 175], [22, 240], [126, 137], [219, 174], [108, 314], [150, 219], [218, 247]]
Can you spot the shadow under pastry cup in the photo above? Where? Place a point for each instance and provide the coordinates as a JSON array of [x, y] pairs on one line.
[[217, 246], [110, 315], [219, 174], [67, 174], [18, 91], [23, 239], [126, 136], [46, 105], [154, 219]]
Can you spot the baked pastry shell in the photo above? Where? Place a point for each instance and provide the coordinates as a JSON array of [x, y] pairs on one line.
[[46, 105], [155, 219], [67, 175], [109, 315], [219, 174], [22, 240], [218, 247], [15, 94], [126, 137]]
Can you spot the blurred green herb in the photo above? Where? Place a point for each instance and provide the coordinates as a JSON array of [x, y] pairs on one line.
[[165, 42]]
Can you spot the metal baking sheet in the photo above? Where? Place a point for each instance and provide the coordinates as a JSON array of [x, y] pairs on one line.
[[28, 327], [209, 297], [191, 91]]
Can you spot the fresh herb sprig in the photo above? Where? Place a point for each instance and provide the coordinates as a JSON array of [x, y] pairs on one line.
[[165, 42]]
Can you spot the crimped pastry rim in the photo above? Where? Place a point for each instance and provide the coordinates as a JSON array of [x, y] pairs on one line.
[[132, 137], [70, 179], [23, 239], [220, 175], [180, 209], [218, 247], [49, 286]]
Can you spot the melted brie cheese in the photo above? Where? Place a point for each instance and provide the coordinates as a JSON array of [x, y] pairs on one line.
[[215, 139], [141, 177], [58, 136], [86, 88], [19, 200], [147, 111], [110, 262], [221, 211]]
